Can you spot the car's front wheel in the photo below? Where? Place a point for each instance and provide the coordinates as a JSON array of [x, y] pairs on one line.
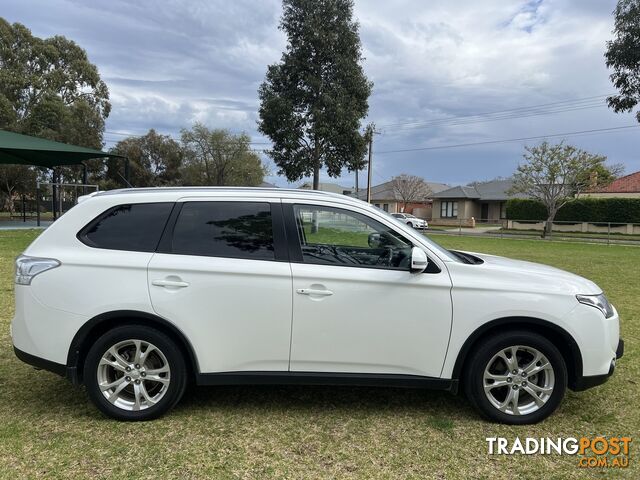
[[134, 373], [516, 378]]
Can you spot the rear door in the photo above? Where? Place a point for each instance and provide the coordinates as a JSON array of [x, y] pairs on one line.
[[222, 276]]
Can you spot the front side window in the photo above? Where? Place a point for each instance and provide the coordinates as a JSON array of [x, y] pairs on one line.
[[333, 236], [224, 229], [449, 209], [134, 227]]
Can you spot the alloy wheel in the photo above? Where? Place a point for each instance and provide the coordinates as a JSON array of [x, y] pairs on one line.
[[133, 375], [518, 380]]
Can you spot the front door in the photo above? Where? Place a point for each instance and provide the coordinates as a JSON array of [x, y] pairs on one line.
[[221, 278], [484, 212], [356, 306]]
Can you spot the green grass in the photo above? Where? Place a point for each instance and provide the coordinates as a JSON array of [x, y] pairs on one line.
[[48, 428]]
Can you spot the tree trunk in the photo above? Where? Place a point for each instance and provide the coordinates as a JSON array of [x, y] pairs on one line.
[[548, 227]]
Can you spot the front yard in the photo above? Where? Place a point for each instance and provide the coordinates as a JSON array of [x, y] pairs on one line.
[[48, 428]]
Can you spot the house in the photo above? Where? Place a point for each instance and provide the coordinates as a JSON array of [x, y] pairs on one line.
[[328, 187], [482, 201], [385, 197], [624, 187], [267, 185]]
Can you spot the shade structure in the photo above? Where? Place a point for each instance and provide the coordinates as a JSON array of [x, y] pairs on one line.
[[26, 150]]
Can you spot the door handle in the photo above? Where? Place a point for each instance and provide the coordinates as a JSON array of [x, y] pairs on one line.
[[314, 291], [170, 283]]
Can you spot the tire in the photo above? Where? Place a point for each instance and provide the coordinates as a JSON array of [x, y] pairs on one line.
[[410, 224], [493, 357], [159, 356]]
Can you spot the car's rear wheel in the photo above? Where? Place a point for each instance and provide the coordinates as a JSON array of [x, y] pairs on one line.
[[135, 373], [516, 378]]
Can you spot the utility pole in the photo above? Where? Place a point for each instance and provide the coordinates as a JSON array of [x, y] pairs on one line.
[[371, 130]]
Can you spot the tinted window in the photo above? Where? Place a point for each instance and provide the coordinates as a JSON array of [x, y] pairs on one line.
[[224, 229], [135, 227], [332, 236]]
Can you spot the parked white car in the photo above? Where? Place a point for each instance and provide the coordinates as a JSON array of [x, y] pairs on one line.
[[137, 292], [411, 220]]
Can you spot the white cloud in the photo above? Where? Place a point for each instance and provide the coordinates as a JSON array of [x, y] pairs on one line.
[[172, 63]]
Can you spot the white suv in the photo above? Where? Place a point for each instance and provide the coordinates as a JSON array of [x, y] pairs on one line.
[[137, 292]]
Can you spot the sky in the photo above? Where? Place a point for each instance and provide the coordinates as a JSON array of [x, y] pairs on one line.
[[445, 73]]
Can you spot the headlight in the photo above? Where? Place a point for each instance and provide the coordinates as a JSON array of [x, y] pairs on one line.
[[29, 267], [598, 301]]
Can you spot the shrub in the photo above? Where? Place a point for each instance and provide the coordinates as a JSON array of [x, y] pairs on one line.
[[594, 210]]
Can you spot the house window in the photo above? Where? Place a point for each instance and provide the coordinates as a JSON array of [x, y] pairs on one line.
[[449, 209], [385, 207], [503, 210]]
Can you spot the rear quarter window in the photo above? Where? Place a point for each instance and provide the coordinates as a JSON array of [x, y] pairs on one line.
[[134, 227]]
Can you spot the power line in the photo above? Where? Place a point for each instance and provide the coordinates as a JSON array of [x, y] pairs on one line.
[[489, 142], [540, 109], [108, 132]]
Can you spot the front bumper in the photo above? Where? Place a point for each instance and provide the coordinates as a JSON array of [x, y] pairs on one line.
[[586, 382]]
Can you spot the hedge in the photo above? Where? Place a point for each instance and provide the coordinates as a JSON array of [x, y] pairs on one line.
[[595, 210]]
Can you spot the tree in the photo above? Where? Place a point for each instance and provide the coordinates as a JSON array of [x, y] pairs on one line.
[[15, 180], [217, 157], [410, 188], [555, 175], [623, 56], [154, 160], [49, 89], [312, 102]]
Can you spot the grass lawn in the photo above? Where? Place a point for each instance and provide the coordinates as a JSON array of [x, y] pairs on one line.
[[48, 428]]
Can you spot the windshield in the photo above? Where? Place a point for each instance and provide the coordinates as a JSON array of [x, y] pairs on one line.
[[408, 215]]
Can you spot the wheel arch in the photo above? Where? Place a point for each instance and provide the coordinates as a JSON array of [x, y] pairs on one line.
[[98, 325], [561, 339]]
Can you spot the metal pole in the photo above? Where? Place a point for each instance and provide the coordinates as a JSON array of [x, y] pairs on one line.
[[54, 192], [369, 170], [357, 189], [85, 179], [609, 233], [24, 209], [38, 202], [459, 226]]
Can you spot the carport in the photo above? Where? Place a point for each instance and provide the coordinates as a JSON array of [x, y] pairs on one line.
[[33, 151]]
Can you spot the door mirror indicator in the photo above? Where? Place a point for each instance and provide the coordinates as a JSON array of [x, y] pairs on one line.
[[419, 260]]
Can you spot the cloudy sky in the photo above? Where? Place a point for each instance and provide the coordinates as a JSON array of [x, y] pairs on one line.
[[446, 73]]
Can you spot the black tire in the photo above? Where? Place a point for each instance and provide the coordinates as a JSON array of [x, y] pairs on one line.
[[172, 353], [410, 224], [473, 376]]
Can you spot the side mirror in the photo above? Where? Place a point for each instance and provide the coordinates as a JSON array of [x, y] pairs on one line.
[[374, 240], [419, 260]]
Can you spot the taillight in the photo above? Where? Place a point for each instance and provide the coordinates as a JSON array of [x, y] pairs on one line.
[[28, 267]]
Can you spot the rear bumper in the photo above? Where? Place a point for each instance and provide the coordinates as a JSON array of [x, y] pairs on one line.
[[586, 382], [41, 363]]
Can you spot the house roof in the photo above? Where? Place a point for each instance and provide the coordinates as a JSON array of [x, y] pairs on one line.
[[385, 191], [627, 184], [492, 190]]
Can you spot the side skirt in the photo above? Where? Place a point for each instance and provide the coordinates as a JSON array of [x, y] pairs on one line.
[[322, 378]]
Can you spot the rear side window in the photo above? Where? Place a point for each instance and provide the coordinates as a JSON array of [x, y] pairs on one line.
[[135, 227], [224, 229]]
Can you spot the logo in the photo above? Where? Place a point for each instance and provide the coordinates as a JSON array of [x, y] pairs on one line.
[[596, 452]]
